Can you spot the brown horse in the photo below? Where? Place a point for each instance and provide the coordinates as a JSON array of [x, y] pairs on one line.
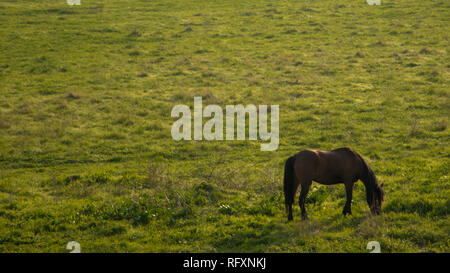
[[341, 165]]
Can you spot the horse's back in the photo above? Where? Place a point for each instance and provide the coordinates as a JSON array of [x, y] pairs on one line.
[[306, 163], [307, 156], [317, 157], [328, 167], [344, 152]]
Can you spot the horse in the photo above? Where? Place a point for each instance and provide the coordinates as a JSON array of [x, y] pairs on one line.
[[342, 165]]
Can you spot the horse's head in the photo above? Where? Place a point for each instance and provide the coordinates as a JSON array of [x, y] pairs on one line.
[[374, 198]]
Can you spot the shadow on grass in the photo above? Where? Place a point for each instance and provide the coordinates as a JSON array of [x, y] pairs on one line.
[[256, 237]]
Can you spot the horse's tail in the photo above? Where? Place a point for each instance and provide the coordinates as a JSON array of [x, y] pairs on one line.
[[289, 180]]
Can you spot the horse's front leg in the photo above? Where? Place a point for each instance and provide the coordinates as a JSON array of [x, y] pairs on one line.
[[349, 192]]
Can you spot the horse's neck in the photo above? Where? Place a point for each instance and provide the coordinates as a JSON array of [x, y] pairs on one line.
[[369, 180]]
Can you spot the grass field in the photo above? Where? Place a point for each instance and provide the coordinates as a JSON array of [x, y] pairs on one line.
[[86, 152]]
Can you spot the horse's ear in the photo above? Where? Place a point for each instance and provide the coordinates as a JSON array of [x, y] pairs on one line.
[[382, 184]]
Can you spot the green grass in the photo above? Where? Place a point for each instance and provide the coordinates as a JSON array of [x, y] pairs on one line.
[[86, 152]]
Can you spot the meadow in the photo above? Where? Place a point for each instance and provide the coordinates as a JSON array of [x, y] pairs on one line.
[[86, 152]]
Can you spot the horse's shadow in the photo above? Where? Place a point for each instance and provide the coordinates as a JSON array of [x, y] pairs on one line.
[[268, 237], [278, 234]]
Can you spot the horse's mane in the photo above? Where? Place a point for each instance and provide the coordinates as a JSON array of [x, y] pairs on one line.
[[374, 192], [368, 176]]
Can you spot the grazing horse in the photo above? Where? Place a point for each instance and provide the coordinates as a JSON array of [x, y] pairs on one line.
[[341, 165]]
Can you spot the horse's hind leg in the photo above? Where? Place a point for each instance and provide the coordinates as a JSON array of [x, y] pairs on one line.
[[306, 184], [290, 217], [290, 200], [349, 193]]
